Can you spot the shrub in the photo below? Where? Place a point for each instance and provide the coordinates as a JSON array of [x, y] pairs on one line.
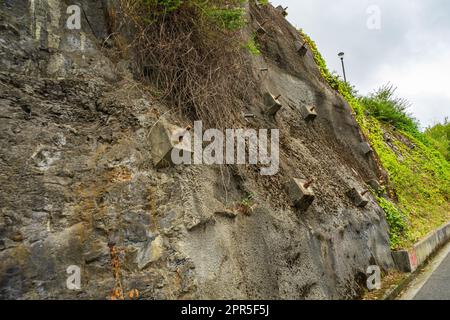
[[386, 107], [227, 18]]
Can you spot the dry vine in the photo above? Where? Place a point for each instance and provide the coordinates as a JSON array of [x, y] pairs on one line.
[[198, 67]]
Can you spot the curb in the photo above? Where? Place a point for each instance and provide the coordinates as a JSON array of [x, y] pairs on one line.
[[410, 260], [416, 259]]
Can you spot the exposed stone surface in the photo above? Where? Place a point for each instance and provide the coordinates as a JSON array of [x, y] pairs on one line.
[[77, 174], [227, 213]]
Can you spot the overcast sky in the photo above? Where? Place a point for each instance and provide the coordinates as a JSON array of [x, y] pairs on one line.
[[410, 49]]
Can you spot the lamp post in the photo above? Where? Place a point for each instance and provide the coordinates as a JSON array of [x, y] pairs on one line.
[[341, 55]]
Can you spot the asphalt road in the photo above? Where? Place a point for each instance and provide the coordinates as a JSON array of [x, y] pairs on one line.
[[437, 287]]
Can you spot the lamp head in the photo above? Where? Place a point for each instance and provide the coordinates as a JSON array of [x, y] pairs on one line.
[[341, 55]]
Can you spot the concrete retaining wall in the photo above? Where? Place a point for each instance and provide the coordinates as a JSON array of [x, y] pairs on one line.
[[409, 260]]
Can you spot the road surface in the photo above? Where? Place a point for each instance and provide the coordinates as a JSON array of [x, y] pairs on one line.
[[434, 282], [438, 285]]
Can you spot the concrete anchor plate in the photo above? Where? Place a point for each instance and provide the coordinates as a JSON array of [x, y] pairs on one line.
[[273, 105], [359, 200], [165, 139], [308, 112], [301, 197]]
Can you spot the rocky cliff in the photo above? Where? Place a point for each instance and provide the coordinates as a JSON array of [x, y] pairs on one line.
[[79, 186]]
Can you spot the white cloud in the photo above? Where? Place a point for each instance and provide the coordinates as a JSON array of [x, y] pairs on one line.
[[410, 50]]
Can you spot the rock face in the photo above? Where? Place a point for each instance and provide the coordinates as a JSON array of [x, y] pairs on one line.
[[79, 186]]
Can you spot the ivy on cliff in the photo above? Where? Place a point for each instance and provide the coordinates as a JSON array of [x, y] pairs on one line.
[[418, 172]]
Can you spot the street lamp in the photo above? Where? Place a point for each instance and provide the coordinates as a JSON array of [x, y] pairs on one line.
[[341, 55]]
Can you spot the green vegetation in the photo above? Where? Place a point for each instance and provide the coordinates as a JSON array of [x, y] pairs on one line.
[[162, 6], [246, 205], [439, 136], [252, 46], [229, 18], [226, 14], [416, 162], [396, 220], [331, 78]]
